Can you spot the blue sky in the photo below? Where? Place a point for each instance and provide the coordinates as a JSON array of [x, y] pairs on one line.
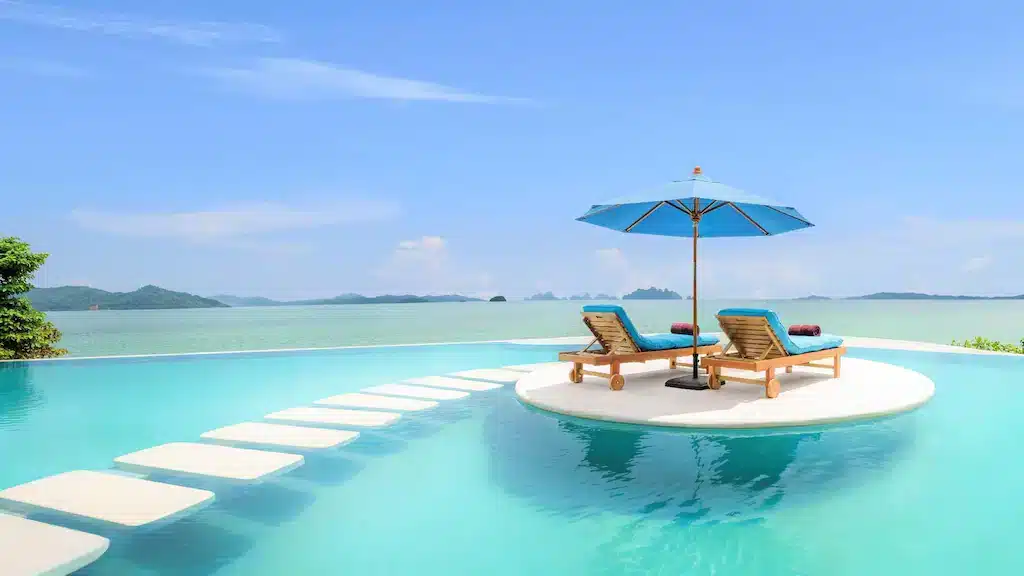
[[315, 148]]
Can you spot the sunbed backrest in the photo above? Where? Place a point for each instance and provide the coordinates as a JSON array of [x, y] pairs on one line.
[[752, 337], [608, 329]]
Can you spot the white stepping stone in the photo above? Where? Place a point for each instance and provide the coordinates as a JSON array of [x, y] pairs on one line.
[[493, 374], [360, 400], [110, 498], [416, 392], [210, 461], [335, 417], [455, 383], [30, 548], [280, 435]]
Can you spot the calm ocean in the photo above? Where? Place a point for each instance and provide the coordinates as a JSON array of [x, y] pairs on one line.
[[111, 332]]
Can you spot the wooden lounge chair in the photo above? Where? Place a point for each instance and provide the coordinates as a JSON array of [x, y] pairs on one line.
[[621, 343], [760, 343]]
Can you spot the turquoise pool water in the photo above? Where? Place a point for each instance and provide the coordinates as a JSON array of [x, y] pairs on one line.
[[485, 485]]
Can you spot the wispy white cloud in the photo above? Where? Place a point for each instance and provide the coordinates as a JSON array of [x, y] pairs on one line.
[[761, 276], [296, 79], [612, 258], [44, 68], [920, 254], [612, 264], [978, 263], [270, 247], [233, 223], [190, 33], [425, 266], [427, 255], [618, 274]]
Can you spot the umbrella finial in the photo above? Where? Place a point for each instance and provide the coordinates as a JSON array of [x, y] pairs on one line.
[[696, 171]]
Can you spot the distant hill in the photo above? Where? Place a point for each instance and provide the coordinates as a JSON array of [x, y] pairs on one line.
[[544, 296], [652, 293], [145, 298], [245, 301], [359, 299], [813, 297], [498, 299], [452, 298], [387, 299], [587, 296], [920, 296]]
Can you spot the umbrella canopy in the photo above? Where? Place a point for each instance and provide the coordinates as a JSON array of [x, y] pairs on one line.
[[696, 207], [722, 211]]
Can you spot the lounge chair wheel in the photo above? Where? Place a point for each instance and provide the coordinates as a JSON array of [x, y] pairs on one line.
[[617, 382], [575, 376], [772, 389], [714, 383]]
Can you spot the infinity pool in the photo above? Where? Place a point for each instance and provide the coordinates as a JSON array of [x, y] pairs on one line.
[[485, 485]]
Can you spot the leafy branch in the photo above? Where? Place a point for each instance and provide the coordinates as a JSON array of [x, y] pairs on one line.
[[980, 343], [24, 331]]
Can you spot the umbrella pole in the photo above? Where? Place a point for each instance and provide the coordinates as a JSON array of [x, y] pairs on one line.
[[696, 329]]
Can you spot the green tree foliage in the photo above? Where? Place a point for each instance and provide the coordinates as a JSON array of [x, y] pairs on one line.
[[991, 345], [24, 331]]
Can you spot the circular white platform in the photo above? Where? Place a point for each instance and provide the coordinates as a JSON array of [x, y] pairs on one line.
[[809, 396]]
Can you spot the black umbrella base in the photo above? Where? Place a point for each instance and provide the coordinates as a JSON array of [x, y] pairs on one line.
[[688, 382]]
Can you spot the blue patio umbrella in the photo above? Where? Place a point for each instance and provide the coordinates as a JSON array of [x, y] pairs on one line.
[[692, 208]]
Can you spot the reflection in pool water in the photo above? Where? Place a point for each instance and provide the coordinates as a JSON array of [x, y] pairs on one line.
[[18, 397], [579, 467]]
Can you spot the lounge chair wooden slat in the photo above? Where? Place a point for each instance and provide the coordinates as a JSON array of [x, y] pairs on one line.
[[749, 342], [756, 347], [752, 334], [609, 331]]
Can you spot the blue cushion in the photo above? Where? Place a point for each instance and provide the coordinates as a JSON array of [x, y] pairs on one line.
[[650, 343], [670, 341], [613, 309], [792, 344], [805, 344]]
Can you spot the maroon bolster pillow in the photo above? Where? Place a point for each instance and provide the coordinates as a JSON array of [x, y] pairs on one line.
[[682, 328], [805, 330]]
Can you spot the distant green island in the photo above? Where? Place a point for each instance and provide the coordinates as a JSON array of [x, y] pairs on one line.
[[652, 293], [245, 301], [68, 298], [919, 296], [587, 296], [150, 297], [250, 301], [543, 297], [641, 294], [910, 296]]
